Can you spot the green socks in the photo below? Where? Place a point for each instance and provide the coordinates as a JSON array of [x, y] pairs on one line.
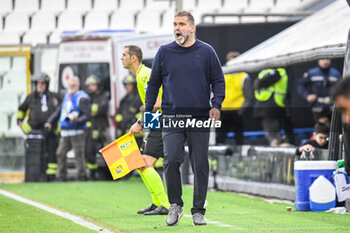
[[155, 200], [155, 186]]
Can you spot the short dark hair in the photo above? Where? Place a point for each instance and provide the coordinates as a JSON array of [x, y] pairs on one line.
[[326, 112], [321, 128], [232, 54], [341, 88], [187, 14], [135, 50]]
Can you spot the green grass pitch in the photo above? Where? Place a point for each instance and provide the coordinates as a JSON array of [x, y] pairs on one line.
[[114, 204]]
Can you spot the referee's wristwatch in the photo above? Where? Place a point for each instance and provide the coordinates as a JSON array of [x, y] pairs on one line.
[[139, 122]]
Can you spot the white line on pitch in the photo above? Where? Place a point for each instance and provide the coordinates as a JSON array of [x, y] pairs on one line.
[[218, 223], [73, 218], [270, 228]]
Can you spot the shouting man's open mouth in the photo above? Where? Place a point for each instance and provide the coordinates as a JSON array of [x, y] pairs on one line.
[[181, 38]]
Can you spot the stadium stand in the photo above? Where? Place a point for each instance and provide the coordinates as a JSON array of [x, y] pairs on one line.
[[131, 5], [222, 19], [16, 22], [105, 5], [70, 21], [168, 17], [234, 6], [9, 38], [208, 5], [54, 37], [286, 5], [96, 20], [79, 5], [42, 21], [26, 6], [260, 6], [6, 6], [34, 38], [53, 6], [189, 5], [158, 5], [148, 20], [122, 19]]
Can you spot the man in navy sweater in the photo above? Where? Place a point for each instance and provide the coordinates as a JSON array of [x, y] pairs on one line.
[[188, 70]]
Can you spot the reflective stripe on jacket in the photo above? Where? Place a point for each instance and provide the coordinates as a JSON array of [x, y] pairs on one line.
[[279, 89]]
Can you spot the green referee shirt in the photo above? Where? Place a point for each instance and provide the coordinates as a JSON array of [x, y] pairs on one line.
[[142, 76]]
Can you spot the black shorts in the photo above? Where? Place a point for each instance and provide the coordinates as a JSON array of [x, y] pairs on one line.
[[153, 144]]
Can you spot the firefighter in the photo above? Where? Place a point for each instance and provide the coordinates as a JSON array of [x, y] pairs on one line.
[[129, 109], [98, 124], [41, 104]]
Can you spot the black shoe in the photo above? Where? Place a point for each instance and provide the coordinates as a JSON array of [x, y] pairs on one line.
[[61, 179], [149, 208], [50, 178], [160, 210], [83, 178], [92, 175]]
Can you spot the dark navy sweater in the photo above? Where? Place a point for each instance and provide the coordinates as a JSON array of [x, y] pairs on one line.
[[188, 75]]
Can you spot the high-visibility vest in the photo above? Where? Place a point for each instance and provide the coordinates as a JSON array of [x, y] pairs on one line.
[[69, 104], [279, 89], [234, 96]]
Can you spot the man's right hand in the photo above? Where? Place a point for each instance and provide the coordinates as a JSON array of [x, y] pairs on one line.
[[48, 126], [311, 98], [306, 148], [214, 114], [135, 128]]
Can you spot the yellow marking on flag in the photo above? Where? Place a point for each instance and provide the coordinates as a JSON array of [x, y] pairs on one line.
[[122, 156]]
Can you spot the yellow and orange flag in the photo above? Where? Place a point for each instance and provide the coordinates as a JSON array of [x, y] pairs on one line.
[[122, 156]]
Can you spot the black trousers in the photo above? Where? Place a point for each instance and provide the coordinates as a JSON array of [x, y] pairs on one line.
[[49, 165], [198, 142], [94, 141], [231, 121], [51, 144], [271, 126]]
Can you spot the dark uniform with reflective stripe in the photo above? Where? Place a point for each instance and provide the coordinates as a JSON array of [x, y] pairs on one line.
[[129, 111], [41, 107], [318, 81], [96, 128]]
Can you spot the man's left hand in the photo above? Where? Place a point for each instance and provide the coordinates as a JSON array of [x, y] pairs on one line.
[[214, 114]]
